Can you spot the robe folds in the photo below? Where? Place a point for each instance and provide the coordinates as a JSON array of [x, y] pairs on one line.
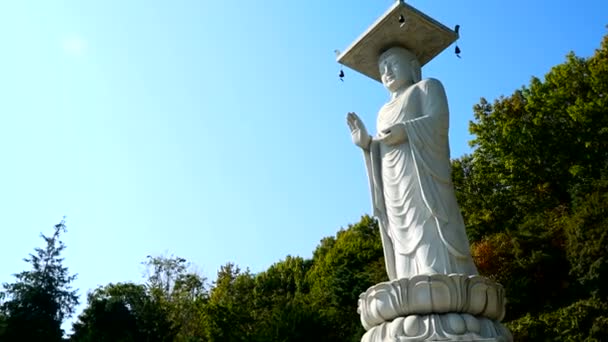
[[413, 196]]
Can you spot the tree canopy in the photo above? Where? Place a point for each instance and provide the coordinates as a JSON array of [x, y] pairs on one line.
[[534, 197], [34, 306]]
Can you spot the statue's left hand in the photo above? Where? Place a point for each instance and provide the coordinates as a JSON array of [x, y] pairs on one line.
[[394, 135]]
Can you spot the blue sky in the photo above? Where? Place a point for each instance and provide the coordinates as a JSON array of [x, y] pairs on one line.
[[215, 130]]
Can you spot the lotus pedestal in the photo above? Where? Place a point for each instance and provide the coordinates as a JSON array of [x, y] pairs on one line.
[[434, 307]]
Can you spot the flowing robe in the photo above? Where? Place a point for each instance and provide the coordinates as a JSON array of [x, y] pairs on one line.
[[412, 192]]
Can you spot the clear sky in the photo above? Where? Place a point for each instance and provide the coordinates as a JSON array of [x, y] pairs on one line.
[[215, 130]]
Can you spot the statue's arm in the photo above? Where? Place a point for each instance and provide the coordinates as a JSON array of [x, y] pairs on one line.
[[434, 103], [428, 136]]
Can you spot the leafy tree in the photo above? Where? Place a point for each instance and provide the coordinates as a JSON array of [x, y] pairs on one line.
[[533, 195], [229, 314], [537, 147], [282, 305], [528, 262], [108, 317], [587, 241], [2, 325], [181, 292], [342, 269], [123, 312], [165, 308], [582, 321], [283, 279], [36, 304], [294, 320]]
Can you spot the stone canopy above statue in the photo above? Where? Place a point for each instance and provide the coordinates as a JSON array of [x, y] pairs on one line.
[[402, 25]]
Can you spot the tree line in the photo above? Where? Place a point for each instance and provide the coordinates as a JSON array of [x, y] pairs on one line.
[[534, 195]]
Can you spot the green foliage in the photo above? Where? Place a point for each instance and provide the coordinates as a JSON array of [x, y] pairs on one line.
[[111, 314], [533, 195], [229, 314], [536, 146], [279, 292], [165, 308], [297, 299], [179, 291], [586, 233], [294, 320], [342, 269], [35, 305], [3, 325], [123, 312], [528, 262], [583, 321]]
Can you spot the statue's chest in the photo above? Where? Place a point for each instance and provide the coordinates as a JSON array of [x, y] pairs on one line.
[[404, 108]]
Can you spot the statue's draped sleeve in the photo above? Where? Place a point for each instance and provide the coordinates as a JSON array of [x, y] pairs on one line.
[[374, 172], [428, 142]]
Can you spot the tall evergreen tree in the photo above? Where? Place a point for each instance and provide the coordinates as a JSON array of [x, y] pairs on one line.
[[36, 304]]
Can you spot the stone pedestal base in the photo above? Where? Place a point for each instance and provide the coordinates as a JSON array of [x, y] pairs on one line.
[[436, 307], [440, 327]]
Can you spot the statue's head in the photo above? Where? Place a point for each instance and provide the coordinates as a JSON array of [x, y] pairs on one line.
[[399, 68]]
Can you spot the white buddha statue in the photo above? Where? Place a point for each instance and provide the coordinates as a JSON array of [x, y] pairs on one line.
[[408, 164]]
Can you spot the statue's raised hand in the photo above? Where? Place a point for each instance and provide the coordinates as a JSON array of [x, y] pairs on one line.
[[357, 131]]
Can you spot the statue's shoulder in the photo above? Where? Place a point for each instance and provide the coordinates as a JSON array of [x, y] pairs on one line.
[[432, 95], [430, 85], [431, 89]]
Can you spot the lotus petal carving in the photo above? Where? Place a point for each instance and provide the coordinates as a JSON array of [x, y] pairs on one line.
[[439, 327], [432, 294]]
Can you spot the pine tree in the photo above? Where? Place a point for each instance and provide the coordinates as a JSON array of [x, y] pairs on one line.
[[36, 304]]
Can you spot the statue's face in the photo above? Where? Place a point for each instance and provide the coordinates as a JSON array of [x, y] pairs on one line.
[[395, 70]]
